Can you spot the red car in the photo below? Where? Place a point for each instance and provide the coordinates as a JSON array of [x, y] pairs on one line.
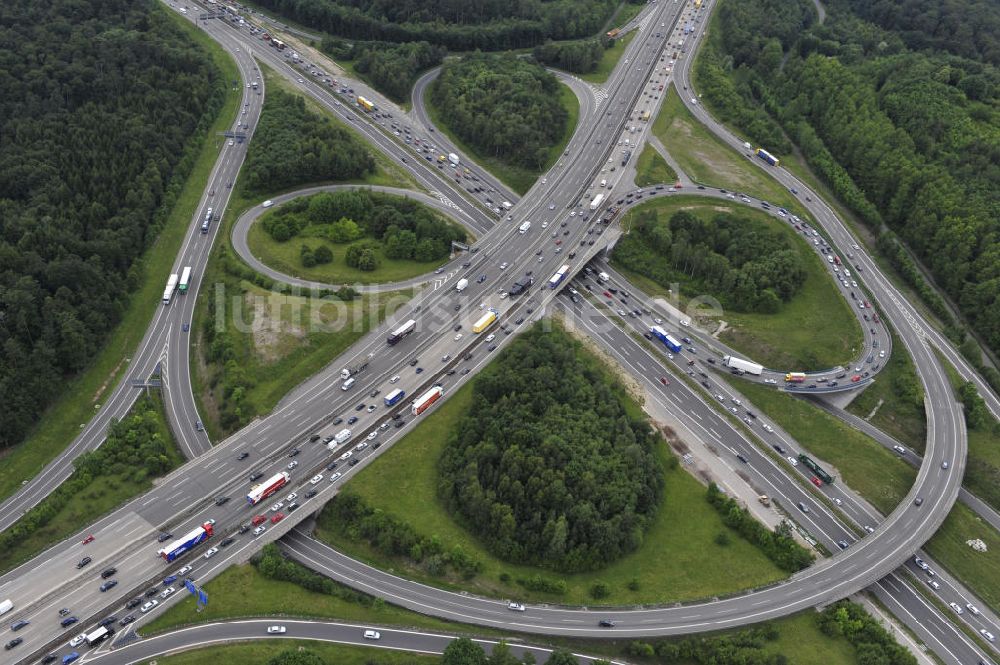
[[664, 381], [277, 518], [855, 378], [258, 520], [607, 295], [816, 481], [559, 242], [88, 539]]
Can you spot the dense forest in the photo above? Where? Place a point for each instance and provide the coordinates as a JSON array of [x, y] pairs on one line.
[[580, 57], [910, 140], [575, 484], [403, 228], [391, 68], [737, 259], [293, 146], [464, 651], [969, 28], [459, 25], [100, 102], [504, 106]]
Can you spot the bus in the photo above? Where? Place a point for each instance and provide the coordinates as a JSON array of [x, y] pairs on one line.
[[401, 332], [767, 157], [168, 293], [278, 44], [185, 280], [795, 377], [394, 397], [368, 106]]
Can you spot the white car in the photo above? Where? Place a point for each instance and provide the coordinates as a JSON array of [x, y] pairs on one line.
[[503, 294], [572, 214], [145, 608], [346, 456], [394, 379], [167, 592], [657, 321], [294, 463], [259, 530], [545, 225], [987, 634], [768, 428], [230, 142], [516, 607], [372, 635], [458, 337], [78, 640], [291, 497], [315, 479], [278, 506], [212, 552], [490, 338], [685, 323], [183, 571], [972, 608], [335, 477], [792, 461], [956, 607], [371, 435], [771, 381], [361, 446], [503, 266], [275, 630], [881, 354]]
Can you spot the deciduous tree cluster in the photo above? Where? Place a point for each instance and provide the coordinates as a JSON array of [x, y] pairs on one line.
[[738, 260], [504, 106], [547, 467], [459, 25], [100, 103], [402, 228], [906, 139], [293, 146]]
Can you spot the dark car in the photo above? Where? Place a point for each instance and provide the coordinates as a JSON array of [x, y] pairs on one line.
[[242, 456], [221, 500], [19, 624], [352, 420], [606, 623], [107, 621], [359, 407], [413, 363], [68, 621], [83, 562], [64, 611], [310, 494], [374, 393], [227, 542], [779, 448], [295, 451], [13, 643], [127, 620], [51, 658], [152, 592], [353, 461], [105, 574], [169, 579], [256, 475], [135, 602]]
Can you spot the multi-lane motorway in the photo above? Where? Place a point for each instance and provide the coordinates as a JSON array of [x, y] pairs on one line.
[[127, 537]]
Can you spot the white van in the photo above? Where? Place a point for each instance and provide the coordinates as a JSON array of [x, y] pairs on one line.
[[342, 436], [346, 385], [604, 183], [6, 606], [524, 228], [462, 283], [372, 635]]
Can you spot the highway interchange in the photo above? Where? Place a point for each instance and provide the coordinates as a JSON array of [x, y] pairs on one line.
[[185, 497]]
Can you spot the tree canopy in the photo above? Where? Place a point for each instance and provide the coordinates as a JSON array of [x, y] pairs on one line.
[[100, 102], [574, 485], [737, 259], [908, 140], [402, 227], [459, 25], [294, 146], [390, 68], [505, 106]]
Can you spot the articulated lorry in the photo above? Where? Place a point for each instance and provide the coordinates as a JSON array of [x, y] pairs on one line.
[[743, 365]]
